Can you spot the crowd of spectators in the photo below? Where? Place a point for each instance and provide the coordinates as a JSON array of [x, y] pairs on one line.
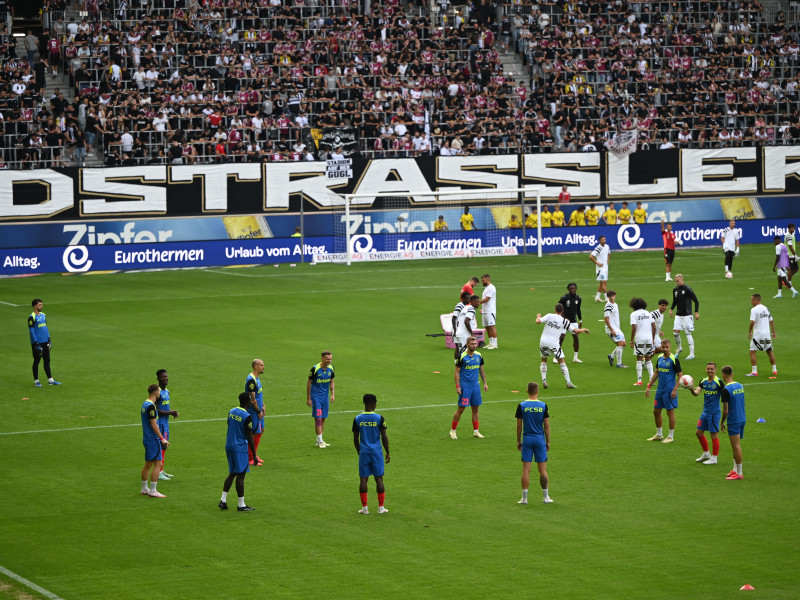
[[185, 81]]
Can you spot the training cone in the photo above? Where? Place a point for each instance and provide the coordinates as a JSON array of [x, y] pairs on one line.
[[746, 587], [761, 421]]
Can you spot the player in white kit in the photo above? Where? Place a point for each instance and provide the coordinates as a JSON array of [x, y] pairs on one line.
[[489, 310], [555, 325], [613, 330], [761, 334], [643, 331]]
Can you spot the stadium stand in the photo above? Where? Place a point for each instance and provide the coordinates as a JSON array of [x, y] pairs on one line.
[[202, 81]]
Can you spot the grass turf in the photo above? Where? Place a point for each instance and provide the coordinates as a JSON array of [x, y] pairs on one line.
[[630, 519]]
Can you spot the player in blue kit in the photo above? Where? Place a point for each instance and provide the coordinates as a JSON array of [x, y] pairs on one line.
[[369, 432], [40, 342], [320, 385], [164, 413], [468, 368], [252, 386], [733, 402], [668, 373], [240, 441], [533, 439], [153, 442], [711, 387]]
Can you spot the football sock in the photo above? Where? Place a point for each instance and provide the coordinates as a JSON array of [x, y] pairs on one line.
[[525, 495], [50, 379], [564, 371], [545, 493], [671, 433], [690, 340], [597, 296], [163, 459], [36, 381], [363, 498], [678, 341], [153, 486], [650, 369], [639, 371], [775, 368], [659, 431], [493, 341], [224, 497], [144, 485], [739, 469], [575, 356], [257, 440], [715, 446], [779, 294], [241, 502], [619, 355], [704, 443], [543, 370], [319, 438], [381, 498], [475, 425], [454, 425], [754, 369]]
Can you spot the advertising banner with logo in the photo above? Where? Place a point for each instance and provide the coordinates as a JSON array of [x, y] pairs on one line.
[[364, 247]]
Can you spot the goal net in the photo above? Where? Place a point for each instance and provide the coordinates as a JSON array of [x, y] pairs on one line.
[[391, 226]]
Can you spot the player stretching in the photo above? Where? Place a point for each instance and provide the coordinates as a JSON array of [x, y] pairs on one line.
[[320, 382], [613, 330], [782, 266], [682, 297], [711, 386], [469, 366], [733, 411], [533, 439], [761, 334], [555, 325], [643, 331], [369, 431], [668, 373]]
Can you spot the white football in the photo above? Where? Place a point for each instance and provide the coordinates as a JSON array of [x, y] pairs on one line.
[[687, 381], [728, 275]]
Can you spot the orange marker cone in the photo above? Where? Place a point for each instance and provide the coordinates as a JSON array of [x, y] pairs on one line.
[[747, 587]]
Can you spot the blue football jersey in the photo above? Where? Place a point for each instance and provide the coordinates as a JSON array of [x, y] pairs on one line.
[[239, 421], [712, 389], [320, 381], [149, 413], [469, 377], [733, 394], [533, 413], [369, 426], [253, 384], [668, 369], [37, 327], [163, 404]]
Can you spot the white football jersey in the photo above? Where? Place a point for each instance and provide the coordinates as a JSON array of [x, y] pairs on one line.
[[761, 318], [467, 314], [644, 326], [729, 237], [554, 327], [611, 311], [601, 255], [490, 306]]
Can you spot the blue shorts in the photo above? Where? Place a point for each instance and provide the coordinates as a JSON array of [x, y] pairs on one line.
[[709, 422], [534, 447], [238, 461], [163, 427], [152, 450], [736, 429], [370, 464], [664, 401], [319, 409], [470, 397]]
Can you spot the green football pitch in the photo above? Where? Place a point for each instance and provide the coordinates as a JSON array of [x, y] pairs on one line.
[[631, 519]]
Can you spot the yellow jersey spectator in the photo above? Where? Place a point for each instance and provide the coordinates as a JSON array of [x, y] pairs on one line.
[[467, 222], [532, 220], [592, 215], [578, 217], [624, 214], [514, 223], [558, 216], [610, 216], [546, 216], [440, 224], [640, 214]]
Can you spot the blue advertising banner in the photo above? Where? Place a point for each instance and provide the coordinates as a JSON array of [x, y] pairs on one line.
[[365, 247]]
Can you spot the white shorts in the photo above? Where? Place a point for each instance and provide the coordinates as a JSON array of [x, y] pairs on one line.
[[551, 351], [657, 343], [602, 274], [684, 323], [620, 337], [643, 348], [763, 344], [781, 272], [488, 320], [460, 342]]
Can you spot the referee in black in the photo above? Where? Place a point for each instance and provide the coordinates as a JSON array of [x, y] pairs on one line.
[[572, 312]]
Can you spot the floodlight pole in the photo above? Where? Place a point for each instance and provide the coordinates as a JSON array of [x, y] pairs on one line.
[[347, 227], [539, 221]]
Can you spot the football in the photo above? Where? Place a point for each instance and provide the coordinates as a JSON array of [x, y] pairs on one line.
[[687, 381], [728, 275]]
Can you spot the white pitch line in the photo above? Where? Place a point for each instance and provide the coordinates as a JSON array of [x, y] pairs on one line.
[[9, 304], [29, 584], [345, 412]]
